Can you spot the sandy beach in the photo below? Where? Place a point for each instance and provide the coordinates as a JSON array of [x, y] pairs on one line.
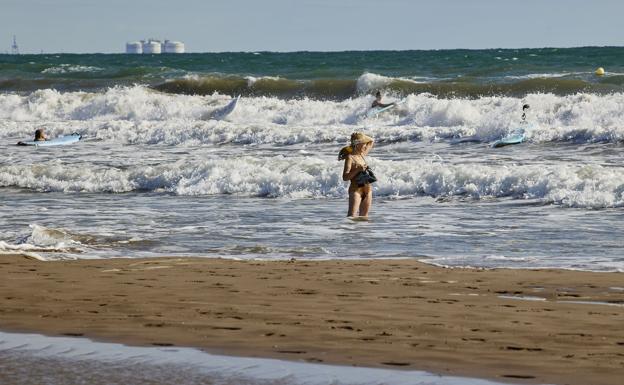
[[527, 326]]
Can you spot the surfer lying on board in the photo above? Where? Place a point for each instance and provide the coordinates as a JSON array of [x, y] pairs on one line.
[[357, 171], [40, 135], [378, 103]]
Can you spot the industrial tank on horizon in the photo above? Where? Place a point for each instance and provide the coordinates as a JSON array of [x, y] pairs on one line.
[[153, 46]]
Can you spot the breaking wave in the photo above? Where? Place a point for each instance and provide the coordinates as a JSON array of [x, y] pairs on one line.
[[140, 115], [587, 186], [47, 243]]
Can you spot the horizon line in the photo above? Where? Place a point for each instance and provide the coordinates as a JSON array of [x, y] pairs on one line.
[[316, 51]]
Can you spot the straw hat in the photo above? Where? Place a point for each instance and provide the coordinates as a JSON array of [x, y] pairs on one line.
[[360, 138], [356, 138]]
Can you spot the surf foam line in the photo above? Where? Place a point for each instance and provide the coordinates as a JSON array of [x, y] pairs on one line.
[[585, 186], [140, 115], [83, 359], [51, 244]]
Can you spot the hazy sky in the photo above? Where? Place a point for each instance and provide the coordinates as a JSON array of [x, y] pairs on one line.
[[319, 25]]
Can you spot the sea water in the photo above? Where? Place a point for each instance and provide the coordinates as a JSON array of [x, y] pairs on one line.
[[155, 175]]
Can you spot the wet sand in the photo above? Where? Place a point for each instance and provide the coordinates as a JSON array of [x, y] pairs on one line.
[[380, 313]]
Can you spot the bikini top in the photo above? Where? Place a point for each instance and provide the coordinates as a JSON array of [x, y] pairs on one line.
[[362, 163]]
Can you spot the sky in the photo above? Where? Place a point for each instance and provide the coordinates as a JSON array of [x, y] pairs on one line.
[[87, 26]]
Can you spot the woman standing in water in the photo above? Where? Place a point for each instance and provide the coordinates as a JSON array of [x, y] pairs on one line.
[[357, 171]]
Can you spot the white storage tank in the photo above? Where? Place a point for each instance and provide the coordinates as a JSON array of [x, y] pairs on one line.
[[134, 47], [173, 46], [151, 46]]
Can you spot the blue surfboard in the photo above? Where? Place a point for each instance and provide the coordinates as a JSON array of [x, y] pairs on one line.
[[516, 137], [60, 141]]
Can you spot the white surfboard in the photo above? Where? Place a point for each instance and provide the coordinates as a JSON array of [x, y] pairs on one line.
[[60, 141], [373, 112], [222, 112]]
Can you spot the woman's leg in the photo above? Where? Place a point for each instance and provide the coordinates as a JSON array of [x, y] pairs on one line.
[[367, 201], [354, 202]]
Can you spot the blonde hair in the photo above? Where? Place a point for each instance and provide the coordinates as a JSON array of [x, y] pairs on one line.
[[356, 138]]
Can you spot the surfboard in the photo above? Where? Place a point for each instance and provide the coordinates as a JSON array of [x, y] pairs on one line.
[[60, 141], [515, 138], [373, 112], [228, 109]]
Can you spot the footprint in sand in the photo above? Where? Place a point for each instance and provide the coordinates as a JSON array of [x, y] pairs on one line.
[[519, 348], [154, 325], [393, 363]]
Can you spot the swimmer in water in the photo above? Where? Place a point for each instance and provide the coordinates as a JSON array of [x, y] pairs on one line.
[[40, 135]]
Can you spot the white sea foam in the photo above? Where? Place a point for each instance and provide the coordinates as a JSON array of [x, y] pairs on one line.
[[588, 186], [251, 80], [371, 82], [44, 244], [69, 68], [140, 115], [544, 75], [22, 249], [50, 244]]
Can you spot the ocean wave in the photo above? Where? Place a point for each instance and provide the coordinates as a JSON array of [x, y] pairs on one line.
[[340, 89], [140, 115], [48, 243], [584, 186], [583, 117], [43, 241], [118, 103], [325, 89]]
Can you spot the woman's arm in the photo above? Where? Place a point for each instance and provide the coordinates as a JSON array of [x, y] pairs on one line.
[[350, 170]]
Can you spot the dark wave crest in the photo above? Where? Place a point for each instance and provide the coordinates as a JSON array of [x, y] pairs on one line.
[[339, 89], [279, 87]]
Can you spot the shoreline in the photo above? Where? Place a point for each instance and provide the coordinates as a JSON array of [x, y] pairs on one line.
[[86, 361], [510, 325]]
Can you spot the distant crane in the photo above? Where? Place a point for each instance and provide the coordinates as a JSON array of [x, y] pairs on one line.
[[14, 47]]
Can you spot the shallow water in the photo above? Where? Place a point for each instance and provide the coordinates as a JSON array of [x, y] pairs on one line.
[[495, 233], [34, 359], [155, 175]]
